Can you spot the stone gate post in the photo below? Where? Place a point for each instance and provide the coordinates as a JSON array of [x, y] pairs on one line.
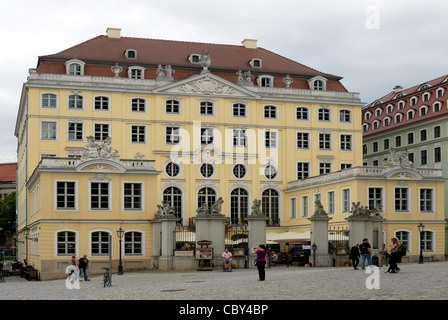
[[319, 236]]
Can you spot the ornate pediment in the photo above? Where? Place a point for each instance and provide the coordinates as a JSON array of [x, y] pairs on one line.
[[207, 84]]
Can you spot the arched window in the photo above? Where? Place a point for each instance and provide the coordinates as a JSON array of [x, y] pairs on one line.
[[173, 195], [206, 196], [239, 205], [270, 201]]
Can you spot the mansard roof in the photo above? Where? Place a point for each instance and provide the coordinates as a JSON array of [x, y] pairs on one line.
[[101, 52]]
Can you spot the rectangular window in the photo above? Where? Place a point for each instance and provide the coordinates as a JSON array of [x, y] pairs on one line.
[[303, 139], [138, 134], [304, 206], [206, 136], [101, 131], [375, 146], [293, 208], [437, 132], [270, 139], [346, 142], [375, 197], [324, 141], [437, 154], [423, 135], [345, 200], [426, 200], [330, 202], [323, 114], [423, 157], [138, 105], [401, 199], [172, 135], [75, 131], [132, 196], [49, 129], [239, 137], [386, 144], [345, 166], [65, 195], [303, 170], [345, 116], [206, 108], [270, 112], [133, 243], [99, 195], [324, 167], [398, 141], [172, 106], [410, 138]]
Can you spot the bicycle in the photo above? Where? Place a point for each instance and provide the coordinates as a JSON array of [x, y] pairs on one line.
[[107, 278]]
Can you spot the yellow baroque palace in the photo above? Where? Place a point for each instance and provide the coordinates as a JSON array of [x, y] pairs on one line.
[[109, 129]]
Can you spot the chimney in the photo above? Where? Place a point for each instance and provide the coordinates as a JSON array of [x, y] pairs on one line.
[[113, 33], [398, 88], [250, 43]]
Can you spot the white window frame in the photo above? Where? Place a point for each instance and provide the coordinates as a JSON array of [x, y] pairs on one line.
[[271, 139], [109, 195], [240, 106], [343, 144], [207, 106], [304, 206], [83, 100], [331, 203], [70, 63], [343, 114], [325, 112], [307, 140], [138, 100], [272, 109], [109, 102], [433, 200], [75, 123], [345, 209], [408, 199], [42, 100], [309, 172], [142, 196], [56, 194], [42, 130], [138, 134], [266, 81], [293, 208], [179, 106], [382, 199], [178, 135], [303, 110], [109, 130], [139, 70]]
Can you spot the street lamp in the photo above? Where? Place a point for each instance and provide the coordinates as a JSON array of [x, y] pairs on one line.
[[421, 228], [314, 247], [120, 233]]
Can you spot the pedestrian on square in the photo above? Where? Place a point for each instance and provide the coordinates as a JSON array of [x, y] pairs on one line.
[[383, 255], [354, 254], [366, 253], [261, 261], [83, 265], [394, 251], [227, 257]]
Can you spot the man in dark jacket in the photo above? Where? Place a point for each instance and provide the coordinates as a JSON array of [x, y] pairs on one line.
[[354, 254]]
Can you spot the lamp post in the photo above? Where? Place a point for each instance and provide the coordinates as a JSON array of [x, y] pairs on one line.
[[421, 228], [314, 247], [120, 233]]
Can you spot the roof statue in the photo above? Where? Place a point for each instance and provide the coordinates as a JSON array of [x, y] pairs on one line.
[[319, 211], [94, 150], [398, 159]]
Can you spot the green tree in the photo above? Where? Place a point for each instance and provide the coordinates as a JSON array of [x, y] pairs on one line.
[[8, 215]]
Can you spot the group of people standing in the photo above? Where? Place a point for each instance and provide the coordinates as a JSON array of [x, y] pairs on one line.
[[391, 255], [79, 268]]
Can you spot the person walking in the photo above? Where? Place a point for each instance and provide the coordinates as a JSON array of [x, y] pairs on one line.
[[394, 250], [354, 254], [261, 261], [227, 260], [83, 265], [366, 252]]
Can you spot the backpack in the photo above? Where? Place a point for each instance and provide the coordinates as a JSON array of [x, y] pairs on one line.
[[403, 250]]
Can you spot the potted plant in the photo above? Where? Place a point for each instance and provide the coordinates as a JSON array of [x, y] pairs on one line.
[[347, 263]]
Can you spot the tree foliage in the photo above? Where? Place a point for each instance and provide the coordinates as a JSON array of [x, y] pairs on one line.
[[8, 214]]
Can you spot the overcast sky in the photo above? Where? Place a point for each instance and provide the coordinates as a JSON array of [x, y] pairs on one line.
[[373, 45]]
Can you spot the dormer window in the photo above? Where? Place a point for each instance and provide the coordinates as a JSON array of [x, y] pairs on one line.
[[401, 105], [255, 63], [194, 58], [440, 92], [318, 83], [75, 67], [265, 81], [413, 101], [131, 54], [423, 87], [378, 112], [426, 96], [136, 72], [367, 115]]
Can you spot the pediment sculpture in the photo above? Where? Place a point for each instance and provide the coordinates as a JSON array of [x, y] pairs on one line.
[[104, 150]]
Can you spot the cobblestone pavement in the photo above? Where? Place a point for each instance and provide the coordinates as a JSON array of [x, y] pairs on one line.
[[426, 281]]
